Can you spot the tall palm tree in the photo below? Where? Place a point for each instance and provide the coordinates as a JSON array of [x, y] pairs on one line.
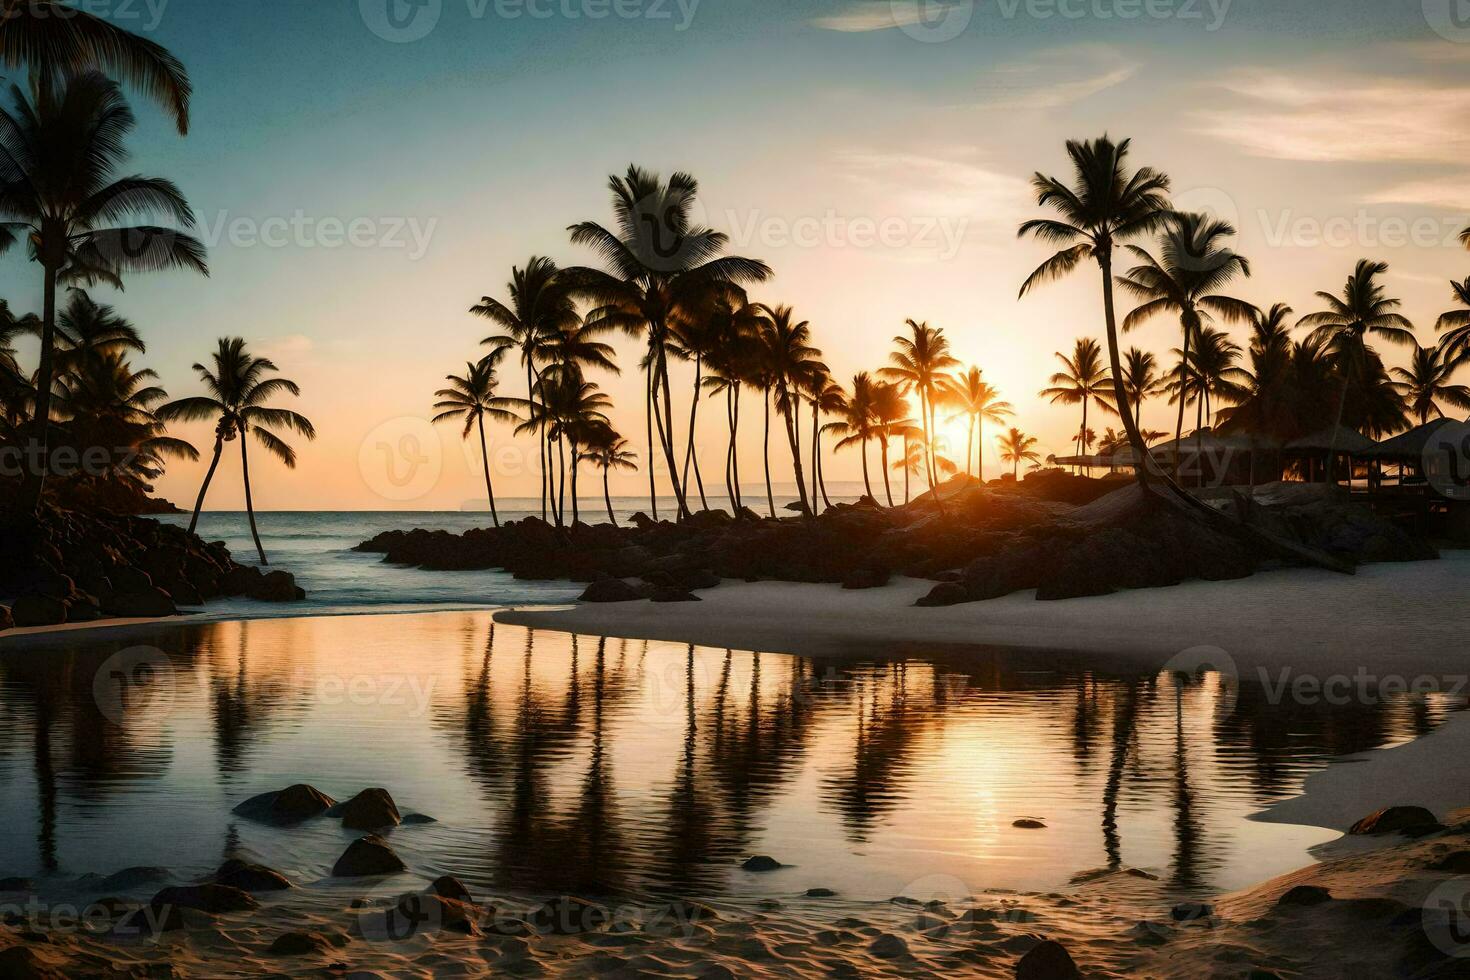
[[1455, 324], [85, 327], [238, 396], [978, 401], [540, 307], [1107, 206], [1082, 381], [825, 397], [659, 266], [1426, 382], [1207, 375], [732, 361], [1363, 310], [1141, 381], [56, 40], [471, 397], [60, 191], [1267, 400], [790, 358], [855, 423], [573, 408], [890, 418], [610, 451], [1016, 447], [1194, 264], [920, 362]]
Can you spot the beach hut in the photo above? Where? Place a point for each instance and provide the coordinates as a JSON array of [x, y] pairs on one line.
[[1435, 455], [1312, 450], [1208, 456]]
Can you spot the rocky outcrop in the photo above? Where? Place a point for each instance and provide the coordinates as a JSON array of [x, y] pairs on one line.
[[286, 807], [371, 809], [370, 855], [1412, 820], [249, 877]]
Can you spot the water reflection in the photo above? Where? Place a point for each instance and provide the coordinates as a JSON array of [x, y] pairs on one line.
[[622, 768]]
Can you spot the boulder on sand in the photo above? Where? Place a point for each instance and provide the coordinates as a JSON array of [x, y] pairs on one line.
[[285, 807], [145, 604], [1397, 819], [371, 809], [214, 899], [365, 856], [944, 594], [38, 610], [1048, 960], [611, 590], [250, 877]]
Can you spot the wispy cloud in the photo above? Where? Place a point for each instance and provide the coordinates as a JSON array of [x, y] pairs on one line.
[[1344, 119], [1057, 77], [959, 184], [1451, 193], [881, 15], [292, 346]]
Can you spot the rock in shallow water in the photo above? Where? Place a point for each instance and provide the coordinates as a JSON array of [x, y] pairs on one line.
[[214, 899], [762, 863], [1397, 819], [365, 856], [1047, 960], [288, 806], [371, 809], [250, 877]]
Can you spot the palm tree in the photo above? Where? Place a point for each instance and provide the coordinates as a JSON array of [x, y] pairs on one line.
[[790, 359], [1193, 265], [978, 401], [472, 397], [237, 399], [825, 397], [1082, 381], [1208, 373], [1268, 392], [1456, 342], [920, 361], [540, 307], [1363, 310], [1106, 207], [660, 265], [610, 451], [1016, 447], [58, 40], [856, 423], [86, 327], [1141, 381], [733, 360], [1426, 383], [890, 418], [573, 408], [59, 191]]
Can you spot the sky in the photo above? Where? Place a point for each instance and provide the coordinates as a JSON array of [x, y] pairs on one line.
[[365, 170]]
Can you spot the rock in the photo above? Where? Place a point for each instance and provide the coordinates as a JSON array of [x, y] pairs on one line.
[[17, 884], [611, 590], [240, 580], [214, 899], [1191, 911], [1026, 823], [888, 946], [1305, 895], [299, 944], [147, 604], [51, 584], [130, 579], [371, 809], [945, 594], [7, 619], [1457, 863], [698, 579], [37, 610], [130, 878], [448, 886], [820, 893], [285, 807], [1412, 820], [761, 863], [417, 818], [569, 916], [250, 877], [865, 578], [27, 963], [277, 586], [82, 609], [1047, 960], [673, 595], [365, 856]]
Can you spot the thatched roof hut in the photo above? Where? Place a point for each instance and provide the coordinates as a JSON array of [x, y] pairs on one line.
[[1343, 440], [1410, 445]]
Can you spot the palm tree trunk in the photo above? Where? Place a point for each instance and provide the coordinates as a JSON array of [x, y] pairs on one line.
[[648, 420], [1199, 423], [1183, 389], [766, 443], [867, 486], [219, 446], [980, 448], [1082, 438], [485, 458], [735, 448], [906, 450], [249, 502], [560, 492], [729, 449], [689, 451], [668, 433], [607, 498], [822, 475], [969, 445], [34, 481], [576, 461], [531, 414], [816, 448], [883, 458], [793, 402], [1135, 440]]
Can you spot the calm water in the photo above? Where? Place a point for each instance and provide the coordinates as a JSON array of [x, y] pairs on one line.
[[623, 768]]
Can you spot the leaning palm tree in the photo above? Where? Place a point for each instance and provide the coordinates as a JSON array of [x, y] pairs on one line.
[[1193, 265], [920, 362], [1455, 325], [1425, 383], [471, 397], [237, 401], [1107, 206], [57, 40], [1016, 447], [59, 190], [540, 307], [979, 402], [660, 265], [1082, 381], [1363, 310], [609, 451]]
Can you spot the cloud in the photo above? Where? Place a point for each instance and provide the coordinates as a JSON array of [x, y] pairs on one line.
[[292, 346], [1057, 77], [923, 184], [883, 15], [1343, 119], [1451, 193]]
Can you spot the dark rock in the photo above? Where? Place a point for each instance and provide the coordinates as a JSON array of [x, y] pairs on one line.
[[567, 916], [611, 590], [699, 578], [417, 818], [449, 886], [1027, 823], [1457, 863], [820, 893], [673, 595], [285, 807], [1191, 911], [17, 884], [36, 610], [240, 580], [130, 578], [945, 594], [762, 863], [51, 584], [888, 946], [365, 856], [7, 619], [865, 578], [26, 963], [147, 604], [1305, 895], [371, 809], [130, 878], [250, 877], [82, 609], [214, 899], [277, 586], [1047, 960], [300, 944], [1412, 820]]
